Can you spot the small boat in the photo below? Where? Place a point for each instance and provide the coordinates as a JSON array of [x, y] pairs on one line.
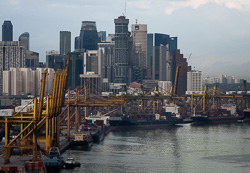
[[71, 164], [53, 162]]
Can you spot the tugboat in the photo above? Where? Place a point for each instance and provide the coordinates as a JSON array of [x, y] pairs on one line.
[[53, 162], [71, 164]]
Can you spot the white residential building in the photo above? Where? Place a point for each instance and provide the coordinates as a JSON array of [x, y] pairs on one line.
[[18, 81], [194, 80], [164, 86], [222, 79], [48, 82]]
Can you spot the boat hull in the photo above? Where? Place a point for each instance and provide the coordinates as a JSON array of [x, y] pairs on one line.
[[120, 124], [72, 165], [52, 165], [204, 120], [83, 145]]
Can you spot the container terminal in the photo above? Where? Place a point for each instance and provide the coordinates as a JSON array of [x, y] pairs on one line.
[[33, 135]]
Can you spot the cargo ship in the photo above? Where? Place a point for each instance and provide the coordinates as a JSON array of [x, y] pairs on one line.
[[96, 131], [122, 121], [98, 127], [227, 114], [82, 140], [170, 117], [146, 121]]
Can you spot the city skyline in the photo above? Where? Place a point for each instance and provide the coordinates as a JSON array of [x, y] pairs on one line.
[[214, 32]]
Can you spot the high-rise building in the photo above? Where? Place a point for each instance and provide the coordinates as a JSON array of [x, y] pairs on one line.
[[7, 31], [172, 45], [88, 38], [92, 62], [54, 60], [48, 82], [77, 44], [11, 55], [182, 77], [94, 82], [150, 38], [121, 69], [32, 60], [139, 34], [24, 40], [164, 39], [164, 86], [107, 57], [18, 81], [161, 39], [65, 42], [75, 69], [160, 59], [194, 80], [110, 38], [101, 36]]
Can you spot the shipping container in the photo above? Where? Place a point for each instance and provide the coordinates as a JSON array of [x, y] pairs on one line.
[[6, 112]]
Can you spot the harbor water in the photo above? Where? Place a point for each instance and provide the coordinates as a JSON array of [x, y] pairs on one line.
[[181, 149]]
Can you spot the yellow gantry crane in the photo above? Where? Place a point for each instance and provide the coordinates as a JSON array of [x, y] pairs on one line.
[[209, 96], [40, 123], [174, 87]]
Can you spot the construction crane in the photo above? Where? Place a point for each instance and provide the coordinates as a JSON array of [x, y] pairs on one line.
[[174, 87]]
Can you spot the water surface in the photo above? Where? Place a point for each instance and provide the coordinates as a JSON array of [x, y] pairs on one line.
[[217, 148]]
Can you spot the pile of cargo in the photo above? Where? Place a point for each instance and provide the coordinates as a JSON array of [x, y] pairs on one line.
[[33, 166], [6, 112], [10, 169], [26, 109]]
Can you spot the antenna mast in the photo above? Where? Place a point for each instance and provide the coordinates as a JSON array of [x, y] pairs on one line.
[[125, 9]]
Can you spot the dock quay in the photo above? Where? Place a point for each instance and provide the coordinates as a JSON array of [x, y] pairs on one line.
[[19, 161]]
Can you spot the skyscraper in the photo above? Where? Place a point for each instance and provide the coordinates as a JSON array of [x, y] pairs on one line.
[[107, 56], [159, 64], [54, 60], [182, 78], [172, 45], [161, 39], [24, 40], [7, 31], [149, 50], [101, 36], [88, 36], [121, 50], [65, 42], [32, 58], [11, 55], [75, 69], [139, 33], [92, 62]]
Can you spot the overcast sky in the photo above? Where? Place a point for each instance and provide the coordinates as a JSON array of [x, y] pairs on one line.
[[215, 32]]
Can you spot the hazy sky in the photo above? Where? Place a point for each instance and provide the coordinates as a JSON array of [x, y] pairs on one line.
[[216, 32]]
